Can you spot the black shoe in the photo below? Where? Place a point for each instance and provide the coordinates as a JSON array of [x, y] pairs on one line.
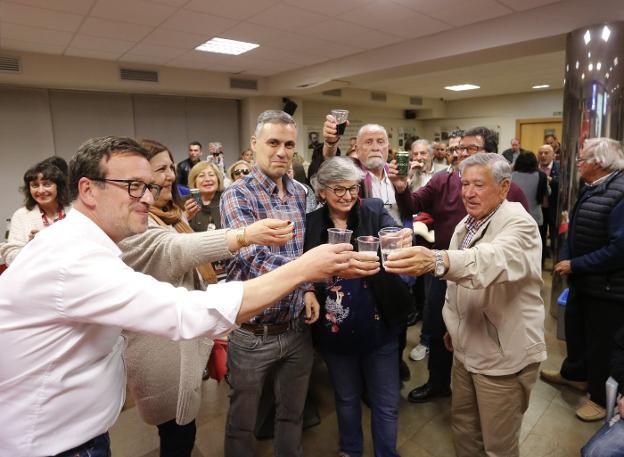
[[413, 318], [404, 371], [424, 393]]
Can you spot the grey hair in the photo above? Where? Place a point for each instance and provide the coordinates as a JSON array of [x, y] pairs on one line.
[[547, 147], [366, 127], [334, 169], [498, 165], [423, 142], [606, 152], [273, 117]]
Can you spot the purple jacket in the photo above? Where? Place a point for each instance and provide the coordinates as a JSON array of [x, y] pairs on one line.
[[441, 198]]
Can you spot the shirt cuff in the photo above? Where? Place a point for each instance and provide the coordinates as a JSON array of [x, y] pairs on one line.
[[226, 298]]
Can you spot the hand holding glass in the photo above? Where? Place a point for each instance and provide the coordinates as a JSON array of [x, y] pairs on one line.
[[389, 240]]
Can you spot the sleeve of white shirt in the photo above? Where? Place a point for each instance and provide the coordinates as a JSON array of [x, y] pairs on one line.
[[98, 287]]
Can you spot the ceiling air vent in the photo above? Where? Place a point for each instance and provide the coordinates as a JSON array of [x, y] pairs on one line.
[[418, 101], [10, 64], [238, 83], [333, 92], [378, 96], [128, 74]]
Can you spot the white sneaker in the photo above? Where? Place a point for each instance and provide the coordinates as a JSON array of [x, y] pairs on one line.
[[419, 352]]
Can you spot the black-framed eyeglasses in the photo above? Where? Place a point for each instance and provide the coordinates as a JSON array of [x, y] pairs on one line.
[[453, 149], [342, 191], [472, 148], [241, 172], [136, 188]]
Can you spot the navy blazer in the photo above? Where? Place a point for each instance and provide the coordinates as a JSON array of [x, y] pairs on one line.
[[367, 217]]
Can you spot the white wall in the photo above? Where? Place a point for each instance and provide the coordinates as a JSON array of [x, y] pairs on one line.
[[36, 123], [392, 119], [499, 113]]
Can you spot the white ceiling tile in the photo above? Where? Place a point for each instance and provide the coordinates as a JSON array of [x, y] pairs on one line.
[[521, 5], [101, 44], [270, 68], [155, 51], [177, 3], [96, 26], [380, 15], [29, 46], [253, 33], [67, 6], [34, 34], [233, 9], [174, 39], [151, 60], [281, 55], [350, 34], [290, 18], [329, 7], [133, 11], [38, 17], [92, 54], [192, 21], [464, 13]]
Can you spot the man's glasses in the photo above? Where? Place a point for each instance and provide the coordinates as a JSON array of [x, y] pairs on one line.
[[453, 149], [136, 189], [241, 172], [341, 191], [472, 148]]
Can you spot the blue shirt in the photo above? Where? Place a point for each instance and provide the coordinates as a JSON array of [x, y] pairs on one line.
[[247, 201]]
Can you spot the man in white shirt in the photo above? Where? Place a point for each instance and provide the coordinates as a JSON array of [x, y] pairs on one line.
[[67, 296]]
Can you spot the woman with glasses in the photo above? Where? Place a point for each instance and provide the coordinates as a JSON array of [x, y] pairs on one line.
[[357, 333], [165, 376], [238, 170], [205, 215], [46, 200]]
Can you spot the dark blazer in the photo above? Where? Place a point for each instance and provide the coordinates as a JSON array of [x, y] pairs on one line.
[[367, 217], [554, 185]]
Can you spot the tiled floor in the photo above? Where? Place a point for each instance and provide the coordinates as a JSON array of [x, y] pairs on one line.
[[549, 428]]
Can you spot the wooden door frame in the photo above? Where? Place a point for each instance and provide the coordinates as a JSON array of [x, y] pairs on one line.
[[535, 120]]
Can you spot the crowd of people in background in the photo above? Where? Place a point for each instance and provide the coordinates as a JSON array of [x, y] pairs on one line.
[[242, 250]]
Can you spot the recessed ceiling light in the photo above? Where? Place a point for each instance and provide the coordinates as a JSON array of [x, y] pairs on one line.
[[606, 33], [587, 37], [541, 86], [225, 46], [460, 87]]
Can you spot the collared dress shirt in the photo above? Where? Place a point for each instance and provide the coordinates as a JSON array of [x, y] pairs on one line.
[[63, 304], [384, 190], [247, 201]]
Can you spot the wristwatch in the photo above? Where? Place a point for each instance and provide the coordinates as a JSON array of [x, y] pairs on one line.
[[439, 269]]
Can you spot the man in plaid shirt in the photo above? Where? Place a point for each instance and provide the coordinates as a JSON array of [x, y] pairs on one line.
[[277, 340]]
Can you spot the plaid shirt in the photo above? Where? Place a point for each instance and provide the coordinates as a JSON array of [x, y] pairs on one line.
[[473, 226], [246, 201]]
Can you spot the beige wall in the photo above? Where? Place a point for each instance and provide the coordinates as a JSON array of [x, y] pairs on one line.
[[36, 123], [499, 113]]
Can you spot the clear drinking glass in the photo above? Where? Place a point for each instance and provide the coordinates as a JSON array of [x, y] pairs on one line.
[[339, 235], [368, 244], [389, 240]]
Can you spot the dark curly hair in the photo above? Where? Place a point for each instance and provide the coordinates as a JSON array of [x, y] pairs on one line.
[[49, 172], [526, 162], [490, 137]]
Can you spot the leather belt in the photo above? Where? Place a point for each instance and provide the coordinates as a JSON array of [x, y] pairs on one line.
[[264, 329]]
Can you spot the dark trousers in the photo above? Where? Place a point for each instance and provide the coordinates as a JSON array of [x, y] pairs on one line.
[[591, 325], [548, 231], [440, 360], [379, 374], [96, 447], [176, 440]]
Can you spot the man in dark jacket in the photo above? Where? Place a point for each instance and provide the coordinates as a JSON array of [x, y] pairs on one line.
[[593, 261], [184, 167], [550, 167]]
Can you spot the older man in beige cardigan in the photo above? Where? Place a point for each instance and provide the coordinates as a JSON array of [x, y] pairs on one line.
[[493, 310]]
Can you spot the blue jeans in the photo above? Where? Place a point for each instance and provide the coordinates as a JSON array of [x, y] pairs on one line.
[[251, 358], [97, 447], [607, 442], [380, 372]]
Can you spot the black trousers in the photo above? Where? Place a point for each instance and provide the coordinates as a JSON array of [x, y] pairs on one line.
[[591, 325], [440, 360], [176, 440]]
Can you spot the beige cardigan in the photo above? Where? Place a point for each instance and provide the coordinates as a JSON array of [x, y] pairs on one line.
[[165, 376], [493, 310]]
